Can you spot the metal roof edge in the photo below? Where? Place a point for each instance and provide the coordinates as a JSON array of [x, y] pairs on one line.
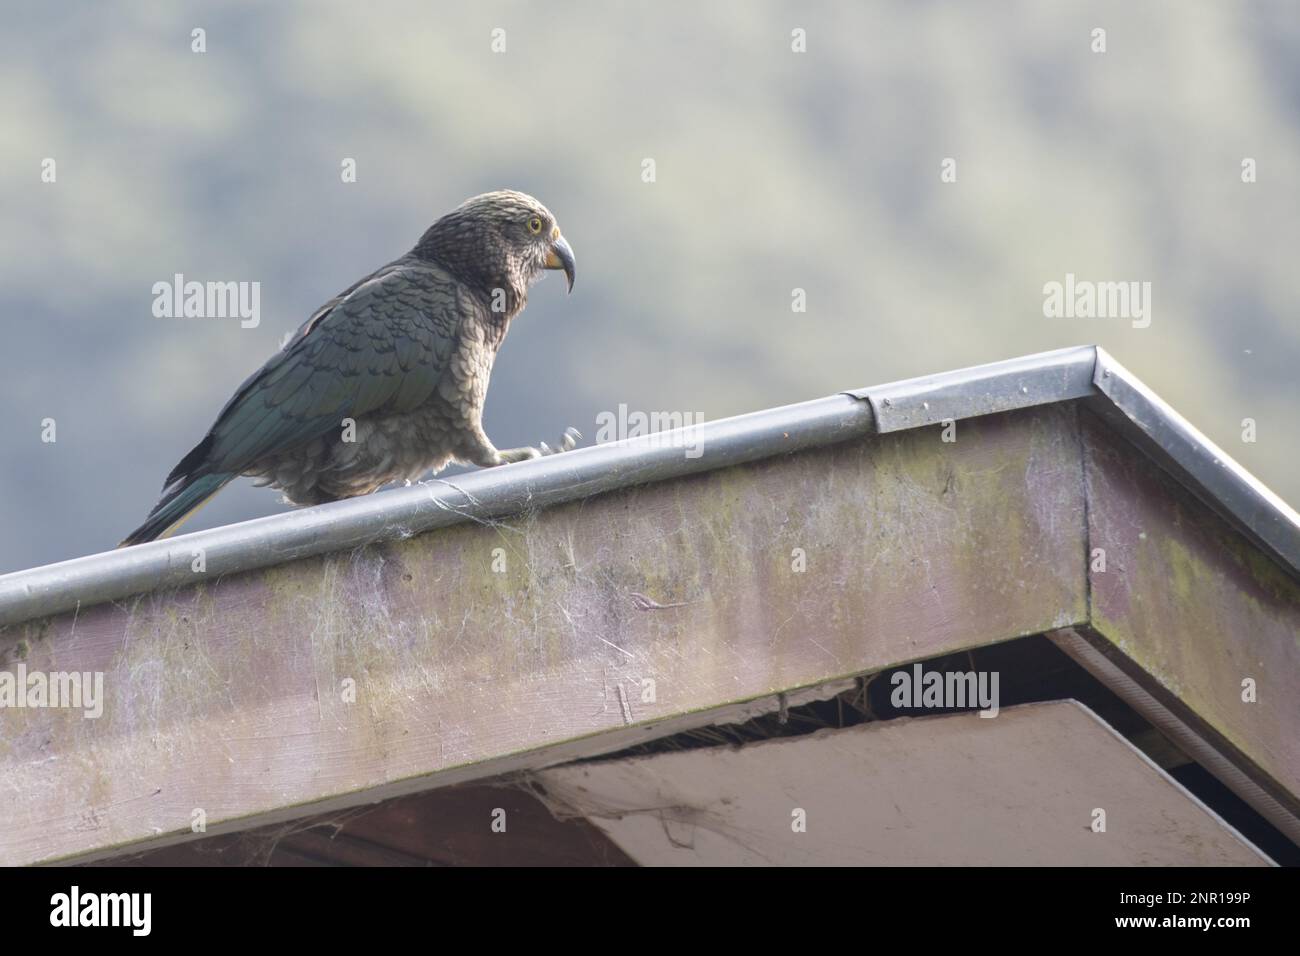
[[1200, 464], [1044, 378], [1039, 379]]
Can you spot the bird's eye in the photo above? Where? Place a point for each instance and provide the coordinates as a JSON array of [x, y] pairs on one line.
[[535, 226]]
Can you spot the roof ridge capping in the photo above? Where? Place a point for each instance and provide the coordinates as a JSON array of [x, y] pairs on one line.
[[1081, 373]]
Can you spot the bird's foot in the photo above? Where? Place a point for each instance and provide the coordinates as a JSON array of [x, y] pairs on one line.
[[509, 456], [568, 442]]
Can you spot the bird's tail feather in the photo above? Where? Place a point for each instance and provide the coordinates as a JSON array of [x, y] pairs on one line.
[[178, 502]]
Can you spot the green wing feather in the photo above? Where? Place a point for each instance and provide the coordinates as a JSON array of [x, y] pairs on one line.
[[382, 345]]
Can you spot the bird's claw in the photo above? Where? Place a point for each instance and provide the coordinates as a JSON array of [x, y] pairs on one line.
[[567, 443]]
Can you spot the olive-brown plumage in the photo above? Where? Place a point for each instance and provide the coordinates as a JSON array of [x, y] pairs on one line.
[[387, 380]]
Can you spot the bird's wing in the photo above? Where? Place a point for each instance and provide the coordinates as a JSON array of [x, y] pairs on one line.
[[382, 345]]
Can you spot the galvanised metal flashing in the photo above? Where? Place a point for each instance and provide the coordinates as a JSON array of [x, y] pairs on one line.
[[1082, 373], [1041, 379], [1209, 472]]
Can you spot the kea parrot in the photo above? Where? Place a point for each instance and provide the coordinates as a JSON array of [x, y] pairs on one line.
[[386, 381]]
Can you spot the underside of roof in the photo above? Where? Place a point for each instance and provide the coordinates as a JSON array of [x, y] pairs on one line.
[[525, 617]]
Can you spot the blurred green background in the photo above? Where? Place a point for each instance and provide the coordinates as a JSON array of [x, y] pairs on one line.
[[775, 170]]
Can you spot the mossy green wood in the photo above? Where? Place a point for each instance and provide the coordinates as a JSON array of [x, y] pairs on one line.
[[1195, 605]]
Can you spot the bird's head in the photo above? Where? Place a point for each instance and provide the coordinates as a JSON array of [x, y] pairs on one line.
[[499, 239]]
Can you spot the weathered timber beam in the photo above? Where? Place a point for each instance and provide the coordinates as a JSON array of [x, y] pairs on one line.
[[494, 645], [1199, 617]]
